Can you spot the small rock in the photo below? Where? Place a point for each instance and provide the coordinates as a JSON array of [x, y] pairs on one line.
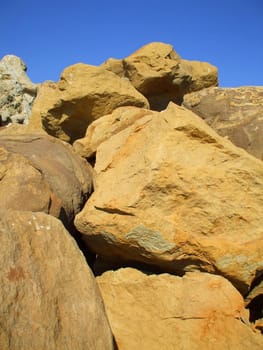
[[16, 90]]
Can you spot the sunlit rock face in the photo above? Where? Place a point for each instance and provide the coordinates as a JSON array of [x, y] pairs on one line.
[[172, 193], [83, 93], [161, 75], [196, 311]]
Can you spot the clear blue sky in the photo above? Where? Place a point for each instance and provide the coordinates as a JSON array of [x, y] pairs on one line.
[[50, 35]]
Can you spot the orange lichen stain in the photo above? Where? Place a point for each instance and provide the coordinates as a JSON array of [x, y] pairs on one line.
[[16, 273]]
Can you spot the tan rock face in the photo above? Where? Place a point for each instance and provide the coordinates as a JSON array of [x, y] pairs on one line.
[[83, 94], [236, 113], [172, 193], [41, 173], [160, 74], [203, 74], [105, 127], [49, 297], [198, 311]]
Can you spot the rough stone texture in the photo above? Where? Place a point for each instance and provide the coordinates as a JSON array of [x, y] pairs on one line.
[[236, 113], [17, 92], [83, 94], [172, 193], [49, 298], [160, 74], [105, 127], [198, 311], [41, 173], [203, 74]]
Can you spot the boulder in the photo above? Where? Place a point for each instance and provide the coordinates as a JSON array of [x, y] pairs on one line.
[[235, 113], [83, 94], [193, 312], [41, 173], [160, 74], [105, 127], [172, 193], [17, 92], [203, 74], [49, 297]]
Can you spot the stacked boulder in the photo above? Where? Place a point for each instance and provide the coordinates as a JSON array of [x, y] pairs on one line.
[[83, 94], [161, 75], [158, 174]]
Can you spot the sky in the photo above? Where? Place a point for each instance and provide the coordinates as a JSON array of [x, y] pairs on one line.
[[51, 35]]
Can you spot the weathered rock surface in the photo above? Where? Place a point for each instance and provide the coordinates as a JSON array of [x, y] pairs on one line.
[[172, 193], [160, 74], [203, 74], [105, 127], [49, 297], [236, 113], [83, 94], [41, 173], [17, 92], [198, 311]]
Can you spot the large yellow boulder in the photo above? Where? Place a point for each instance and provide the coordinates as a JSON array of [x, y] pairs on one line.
[[161, 75], [83, 94], [172, 193]]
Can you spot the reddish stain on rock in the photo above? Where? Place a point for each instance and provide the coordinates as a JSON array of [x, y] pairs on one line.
[[16, 274]]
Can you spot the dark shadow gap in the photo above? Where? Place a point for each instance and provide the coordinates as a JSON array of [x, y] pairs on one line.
[[256, 308]]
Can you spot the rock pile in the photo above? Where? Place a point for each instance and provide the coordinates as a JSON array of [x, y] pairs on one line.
[[158, 174]]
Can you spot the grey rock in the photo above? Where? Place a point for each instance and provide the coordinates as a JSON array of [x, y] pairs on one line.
[[17, 92]]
